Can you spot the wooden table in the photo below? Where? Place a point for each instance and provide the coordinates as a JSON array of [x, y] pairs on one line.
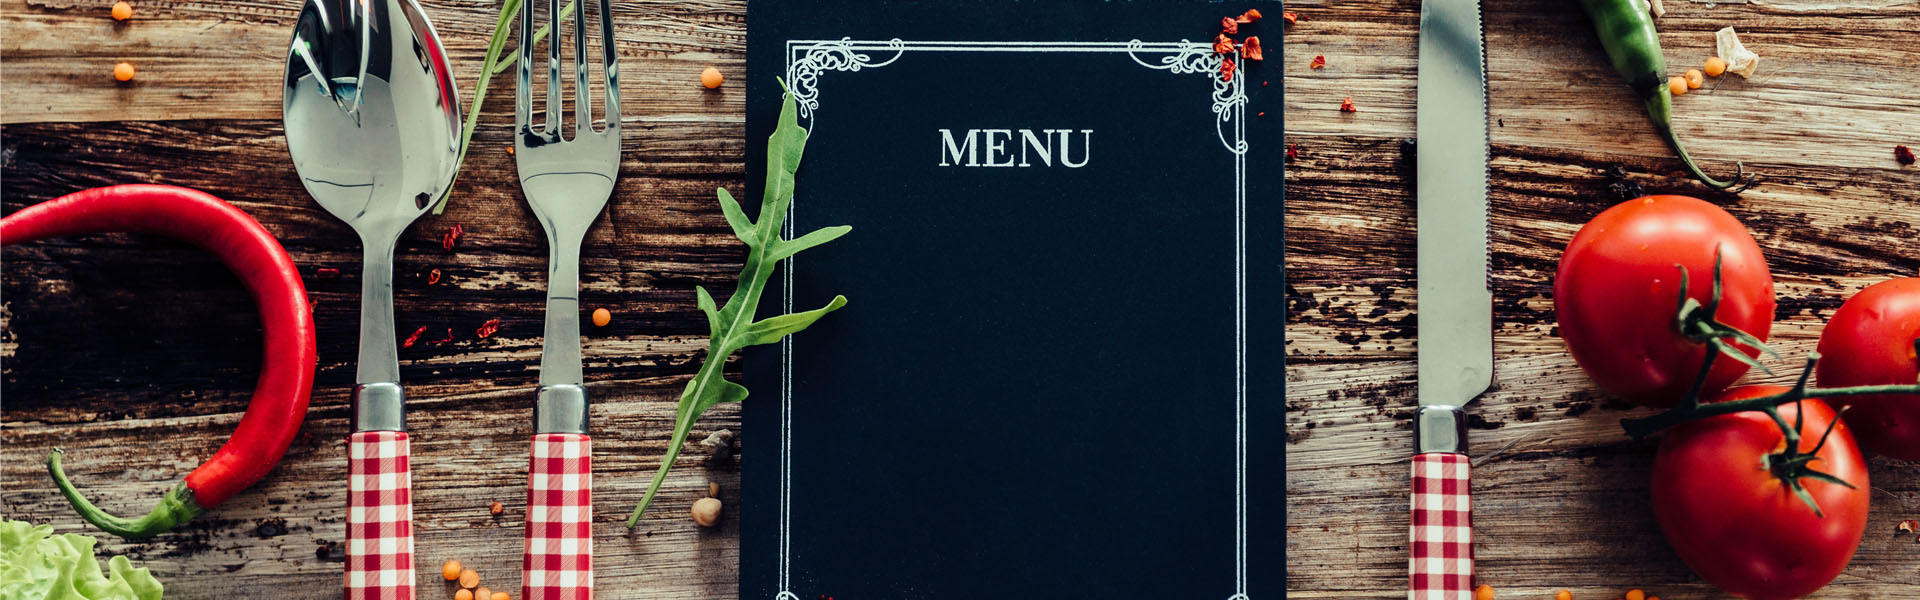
[[137, 354], [1560, 495]]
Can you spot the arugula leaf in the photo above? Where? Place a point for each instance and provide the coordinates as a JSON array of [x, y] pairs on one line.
[[731, 327]]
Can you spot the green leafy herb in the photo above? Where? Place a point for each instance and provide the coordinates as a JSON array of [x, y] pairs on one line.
[[35, 563], [731, 327], [493, 66]]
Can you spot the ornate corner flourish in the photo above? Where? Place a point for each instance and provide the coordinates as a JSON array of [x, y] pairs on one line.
[[1229, 95], [803, 73]]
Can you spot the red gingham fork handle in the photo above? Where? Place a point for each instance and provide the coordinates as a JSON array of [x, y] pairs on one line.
[[379, 517], [1441, 565], [558, 564]]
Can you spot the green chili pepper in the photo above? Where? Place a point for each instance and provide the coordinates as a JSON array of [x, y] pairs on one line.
[[1626, 32]]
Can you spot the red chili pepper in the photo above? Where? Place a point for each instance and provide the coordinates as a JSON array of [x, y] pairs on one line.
[[487, 328], [411, 339], [453, 236], [433, 277], [1318, 62], [1228, 25], [1226, 69], [1903, 154], [279, 401], [1250, 49]]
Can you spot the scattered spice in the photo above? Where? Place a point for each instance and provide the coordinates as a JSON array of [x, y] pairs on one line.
[[1908, 526], [1252, 14], [1903, 154], [463, 594], [1739, 59], [1293, 151], [1250, 49], [123, 72], [468, 578], [509, 150], [706, 511], [488, 328], [1346, 105], [601, 317], [122, 11], [408, 343], [433, 277], [1222, 44], [1292, 17], [453, 237], [1229, 25], [496, 508], [1563, 595], [449, 337], [1677, 85], [1318, 62], [482, 594], [500, 596], [1261, 114], [326, 273], [1695, 79], [1484, 592], [711, 78], [1636, 595], [450, 571], [1715, 66], [1226, 69]]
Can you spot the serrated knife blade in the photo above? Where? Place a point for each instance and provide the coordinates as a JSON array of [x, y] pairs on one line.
[[1455, 307]]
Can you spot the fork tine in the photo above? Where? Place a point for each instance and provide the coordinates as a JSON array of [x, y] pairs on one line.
[[582, 94], [555, 111], [523, 83], [610, 61]]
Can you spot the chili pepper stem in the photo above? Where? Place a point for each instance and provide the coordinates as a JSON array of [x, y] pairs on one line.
[[1660, 107], [176, 507]]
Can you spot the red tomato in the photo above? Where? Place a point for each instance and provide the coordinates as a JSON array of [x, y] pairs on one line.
[[1740, 527], [1618, 288], [1869, 341]]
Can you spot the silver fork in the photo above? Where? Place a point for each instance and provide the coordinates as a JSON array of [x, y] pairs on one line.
[[567, 180]]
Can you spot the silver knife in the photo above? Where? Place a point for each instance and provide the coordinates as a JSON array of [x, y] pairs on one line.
[[1455, 306]]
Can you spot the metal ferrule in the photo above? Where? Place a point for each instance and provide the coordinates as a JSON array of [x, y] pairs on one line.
[[379, 407], [1440, 428], [560, 408]]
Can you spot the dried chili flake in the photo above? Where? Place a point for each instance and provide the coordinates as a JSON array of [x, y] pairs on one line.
[[1908, 526], [1222, 44], [327, 273], [433, 277], [1250, 49], [1318, 62], [447, 339], [1261, 114], [1903, 154], [509, 150], [408, 343], [1346, 105], [1293, 151], [1226, 69], [453, 236], [1252, 14], [1292, 17], [488, 328], [1228, 25]]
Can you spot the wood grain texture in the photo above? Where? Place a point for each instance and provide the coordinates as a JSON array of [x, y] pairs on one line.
[[1561, 495], [137, 354]]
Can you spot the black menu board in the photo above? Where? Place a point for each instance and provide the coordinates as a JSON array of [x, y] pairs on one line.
[[1060, 371]]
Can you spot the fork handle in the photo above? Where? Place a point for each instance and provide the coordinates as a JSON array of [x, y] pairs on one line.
[[560, 349], [558, 563], [379, 516]]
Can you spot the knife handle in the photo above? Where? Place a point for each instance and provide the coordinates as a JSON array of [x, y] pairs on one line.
[[379, 516], [1441, 566], [558, 564]]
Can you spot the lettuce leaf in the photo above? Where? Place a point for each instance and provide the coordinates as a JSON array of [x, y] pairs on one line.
[[35, 564]]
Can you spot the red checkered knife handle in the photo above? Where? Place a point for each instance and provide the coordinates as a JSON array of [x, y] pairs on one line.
[[379, 517], [1441, 566], [558, 563]]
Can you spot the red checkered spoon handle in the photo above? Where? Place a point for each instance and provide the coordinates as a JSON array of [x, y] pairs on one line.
[[558, 563], [379, 517], [1441, 566]]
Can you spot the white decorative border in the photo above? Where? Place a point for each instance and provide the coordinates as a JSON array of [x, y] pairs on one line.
[[807, 59]]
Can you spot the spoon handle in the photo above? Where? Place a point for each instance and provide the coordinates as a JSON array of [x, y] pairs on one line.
[[379, 516]]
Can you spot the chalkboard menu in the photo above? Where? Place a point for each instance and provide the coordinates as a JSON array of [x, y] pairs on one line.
[[1060, 371]]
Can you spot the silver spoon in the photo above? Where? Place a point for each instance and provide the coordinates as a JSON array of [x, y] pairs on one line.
[[373, 124]]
